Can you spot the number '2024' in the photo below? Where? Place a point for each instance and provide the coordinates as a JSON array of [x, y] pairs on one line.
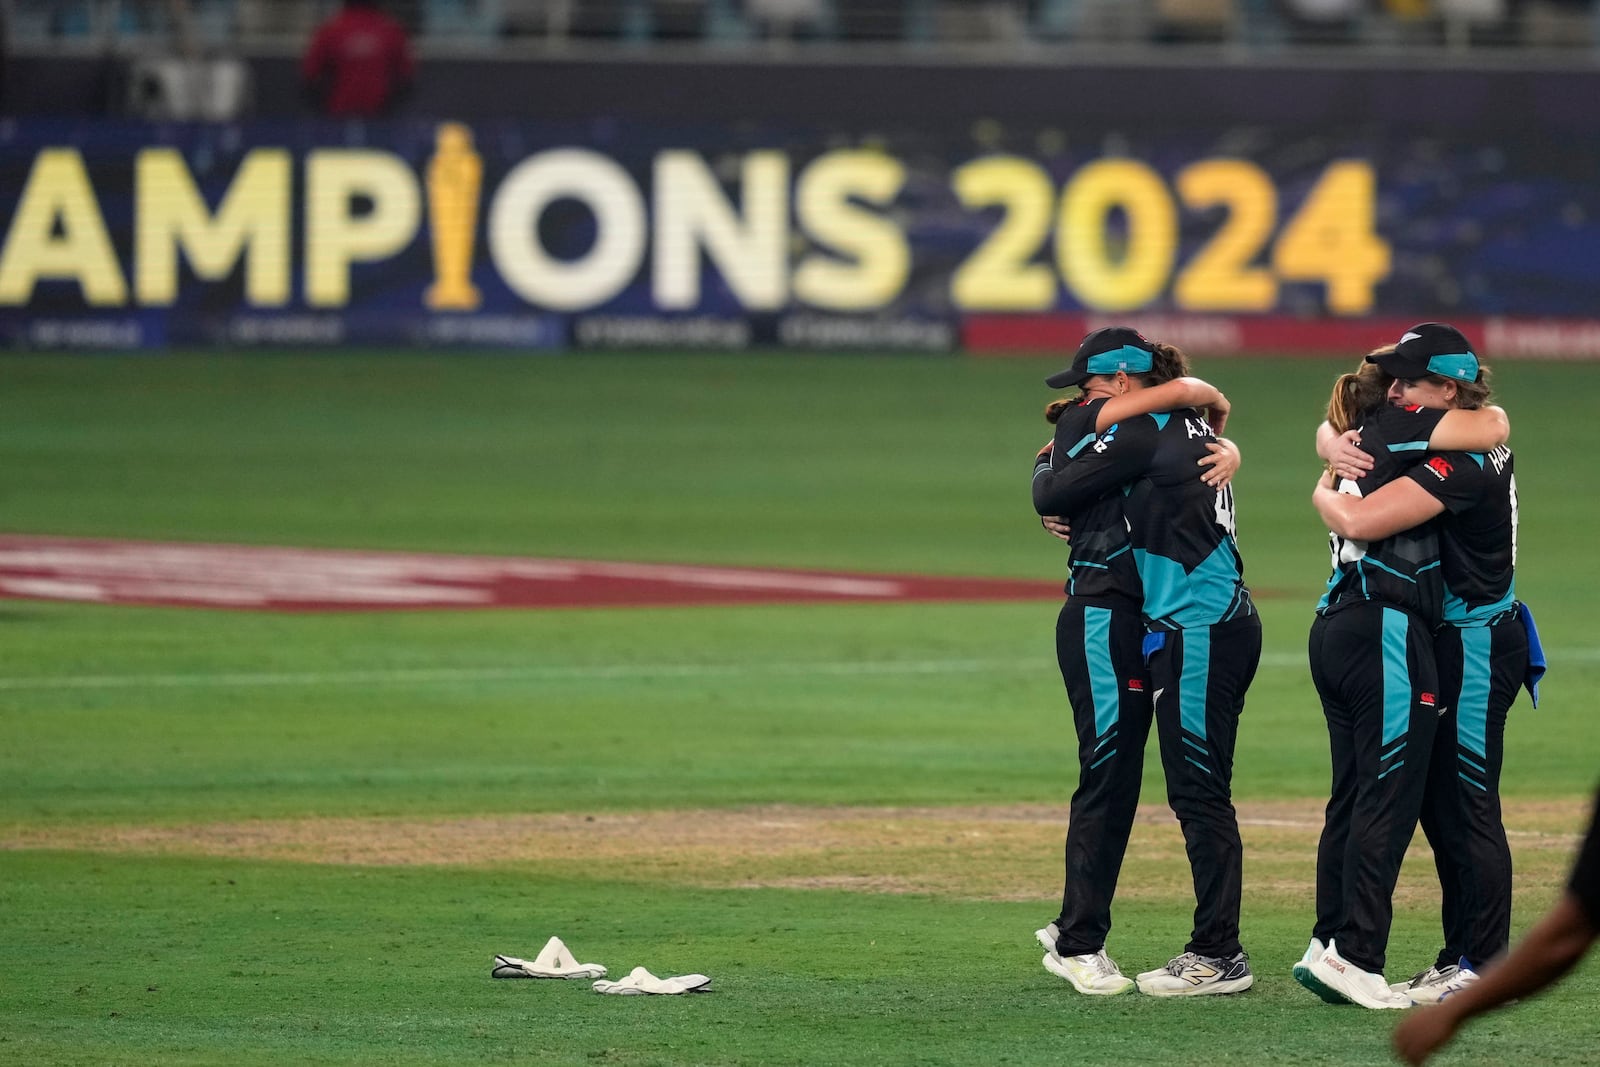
[[1330, 238]]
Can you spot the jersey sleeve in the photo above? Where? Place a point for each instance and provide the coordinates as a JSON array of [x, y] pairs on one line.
[[1091, 469], [1452, 478], [1584, 882], [1075, 428]]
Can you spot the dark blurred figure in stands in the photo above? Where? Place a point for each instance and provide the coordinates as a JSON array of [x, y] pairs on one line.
[[359, 63]]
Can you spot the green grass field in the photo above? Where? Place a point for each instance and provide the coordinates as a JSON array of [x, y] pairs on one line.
[[252, 838]]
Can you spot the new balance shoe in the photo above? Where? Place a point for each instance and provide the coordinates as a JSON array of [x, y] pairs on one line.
[[1434, 973], [1193, 975], [1093, 974], [1436, 983], [1337, 975], [1303, 974]]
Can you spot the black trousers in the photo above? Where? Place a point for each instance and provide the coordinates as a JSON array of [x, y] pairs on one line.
[[1374, 669], [1200, 677], [1098, 649], [1480, 670]]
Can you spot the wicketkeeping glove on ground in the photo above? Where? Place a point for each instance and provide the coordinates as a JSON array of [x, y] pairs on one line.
[[553, 961], [641, 981]]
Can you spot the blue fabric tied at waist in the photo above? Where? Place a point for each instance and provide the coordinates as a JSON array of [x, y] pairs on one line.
[[1154, 642], [1536, 661]]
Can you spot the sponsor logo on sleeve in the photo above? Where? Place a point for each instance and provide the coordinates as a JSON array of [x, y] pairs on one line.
[[1440, 467]]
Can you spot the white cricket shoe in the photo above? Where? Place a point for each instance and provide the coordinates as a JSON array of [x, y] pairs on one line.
[[1193, 975], [1093, 974], [1048, 936], [1436, 983], [1302, 974], [1338, 975]]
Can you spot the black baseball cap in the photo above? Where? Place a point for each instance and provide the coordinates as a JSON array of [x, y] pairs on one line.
[[1106, 351], [1430, 348]]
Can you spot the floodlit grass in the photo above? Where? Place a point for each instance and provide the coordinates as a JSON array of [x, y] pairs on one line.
[[122, 960], [117, 718]]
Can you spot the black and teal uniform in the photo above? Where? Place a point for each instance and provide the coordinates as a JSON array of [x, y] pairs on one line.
[[1372, 661], [1098, 648], [1203, 637], [1482, 652]]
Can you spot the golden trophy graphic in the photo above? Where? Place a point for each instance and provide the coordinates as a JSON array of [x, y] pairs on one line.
[[455, 174]]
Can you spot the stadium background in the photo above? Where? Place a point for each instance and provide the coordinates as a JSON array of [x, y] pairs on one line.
[[301, 836]]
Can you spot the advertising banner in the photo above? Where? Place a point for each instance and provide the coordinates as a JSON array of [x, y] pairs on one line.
[[610, 234]]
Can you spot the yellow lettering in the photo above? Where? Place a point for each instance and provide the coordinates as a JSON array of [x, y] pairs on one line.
[[1333, 238], [999, 275], [882, 256], [335, 235], [58, 190], [1220, 276], [1104, 277], [252, 221]]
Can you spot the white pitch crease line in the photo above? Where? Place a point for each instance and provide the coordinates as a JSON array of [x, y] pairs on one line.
[[596, 672], [409, 676]]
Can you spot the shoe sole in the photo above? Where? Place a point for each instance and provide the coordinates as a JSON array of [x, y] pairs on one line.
[[1210, 989], [1356, 999], [1435, 996], [1044, 938], [1087, 991], [1302, 974]]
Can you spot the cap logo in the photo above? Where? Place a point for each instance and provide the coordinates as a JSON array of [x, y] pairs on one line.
[[1411, 337]]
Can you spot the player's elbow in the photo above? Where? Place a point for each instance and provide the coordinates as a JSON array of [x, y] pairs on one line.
[[1043, 503], [1501, 422], [1048, 497]]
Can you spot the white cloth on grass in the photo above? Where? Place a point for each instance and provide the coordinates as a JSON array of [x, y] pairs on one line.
[[555, 960], [641, 981]]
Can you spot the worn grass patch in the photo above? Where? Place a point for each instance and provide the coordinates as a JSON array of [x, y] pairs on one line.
[[976, 853]]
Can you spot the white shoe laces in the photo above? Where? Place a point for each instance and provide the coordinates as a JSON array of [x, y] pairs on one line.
[[1178, 964], [1100, 963]]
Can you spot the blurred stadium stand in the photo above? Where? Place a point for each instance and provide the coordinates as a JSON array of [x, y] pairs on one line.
[[249, 27], [214, 60]]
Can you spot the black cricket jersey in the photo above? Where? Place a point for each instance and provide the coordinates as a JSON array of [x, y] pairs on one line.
[[1477, 533], [1101, 569], [1403, 569], [1181, 530]]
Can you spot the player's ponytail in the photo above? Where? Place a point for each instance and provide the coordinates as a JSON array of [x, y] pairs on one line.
[[1357, 393], [1053, 410]]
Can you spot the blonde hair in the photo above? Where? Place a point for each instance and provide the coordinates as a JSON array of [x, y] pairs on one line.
[[1358, 392], [1474, 394]]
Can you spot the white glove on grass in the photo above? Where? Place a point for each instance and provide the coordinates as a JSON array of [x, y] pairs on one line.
[[641, 981], [553, 961]]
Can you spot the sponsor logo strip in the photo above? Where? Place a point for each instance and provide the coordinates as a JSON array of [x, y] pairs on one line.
[[291, 579]]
